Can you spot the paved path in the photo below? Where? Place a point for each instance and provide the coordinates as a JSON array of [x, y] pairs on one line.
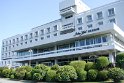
[[5, 80]]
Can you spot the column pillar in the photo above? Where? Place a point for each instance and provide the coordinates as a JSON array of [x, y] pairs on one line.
[[36, 62], [56, 61], [79, 58], [112, 58]]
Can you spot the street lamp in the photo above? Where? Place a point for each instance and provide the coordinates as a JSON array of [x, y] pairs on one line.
[[30, 51]]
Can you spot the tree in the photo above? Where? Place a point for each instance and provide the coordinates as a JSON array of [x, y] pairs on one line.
[[102, 62], [120, 60], [66, 73]]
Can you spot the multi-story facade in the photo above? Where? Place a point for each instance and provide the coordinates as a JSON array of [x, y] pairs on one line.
[[81, 34]]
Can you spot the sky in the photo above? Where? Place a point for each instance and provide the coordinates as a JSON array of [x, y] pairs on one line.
[[20, 16]]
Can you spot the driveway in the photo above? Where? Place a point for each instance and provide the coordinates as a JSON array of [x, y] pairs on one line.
[[6, 80]]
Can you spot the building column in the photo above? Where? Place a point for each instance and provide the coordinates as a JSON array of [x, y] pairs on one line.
[[112, 57], [37, 63], [79, 58], [56, 61]]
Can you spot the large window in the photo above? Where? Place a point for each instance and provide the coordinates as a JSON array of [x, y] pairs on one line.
[[42, 32], [36, 34], [112, 20], [31, 35], [55, 28], [89, 18], [104, 39], [79, 21], [82, 43], [97, 40], [99, 15], [111, 12], [48, 30]]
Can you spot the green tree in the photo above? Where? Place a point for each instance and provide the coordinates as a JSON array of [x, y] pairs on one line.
[[102, 62], [66, 73], [120, 60]]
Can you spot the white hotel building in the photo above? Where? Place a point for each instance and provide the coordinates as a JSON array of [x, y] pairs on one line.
[[80, 34]]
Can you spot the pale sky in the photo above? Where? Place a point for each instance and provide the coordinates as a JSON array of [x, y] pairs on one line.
[[19, 16]]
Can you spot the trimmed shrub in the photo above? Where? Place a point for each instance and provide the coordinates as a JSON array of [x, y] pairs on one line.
[[78, 65], [103, 75], [102, 62], [92, 74], [120, 60], [6, 73], [82, 75], [20, 75], [12, 76], [42, 67], [50, 75], [116, 74], [55, 67], [89, 65], [66, 73], [28, 75], [37, 76]]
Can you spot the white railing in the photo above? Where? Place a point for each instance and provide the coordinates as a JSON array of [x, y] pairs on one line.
[[66, 50]]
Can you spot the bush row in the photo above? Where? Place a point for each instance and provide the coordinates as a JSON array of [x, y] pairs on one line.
[[75, 71]]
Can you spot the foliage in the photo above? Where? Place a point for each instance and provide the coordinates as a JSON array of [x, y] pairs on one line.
[[66, 73], [28, 75], [55, 67], [102, 62], [78, 65], [103, 75], [20, 75], [89, 65], [92, 74], [116, 74], [37, 76], [12, 76], [120, 60], [6, 73], [50, 75], [82, 75]]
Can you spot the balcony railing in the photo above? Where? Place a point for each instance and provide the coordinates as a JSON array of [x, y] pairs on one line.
[[65, 50]]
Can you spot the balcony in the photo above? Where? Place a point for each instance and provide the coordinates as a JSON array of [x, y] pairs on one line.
[[68, 10], [67, 51]]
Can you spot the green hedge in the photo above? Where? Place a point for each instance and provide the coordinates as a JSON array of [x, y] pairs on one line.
[[66, 73]]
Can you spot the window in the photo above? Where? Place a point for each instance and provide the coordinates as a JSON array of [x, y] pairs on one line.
[[68, 16], [82, 43], [111, 12], [48, 30], [55, 34], [25, 42], [21, 43], [42, 38], [104, 38], [55, 28], [36, 39], [26, 37], [100, 23], [90, 26], [48, 36], [36, 34], [21, 38], [79, 21], [9, 41], [16, 44], [42, 32], [30, 41], [13, 41], [112, 20], [99, 15], [89, 41], [31, 35], [79, 28], [89, 18], [97, 40], [17, 39]]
